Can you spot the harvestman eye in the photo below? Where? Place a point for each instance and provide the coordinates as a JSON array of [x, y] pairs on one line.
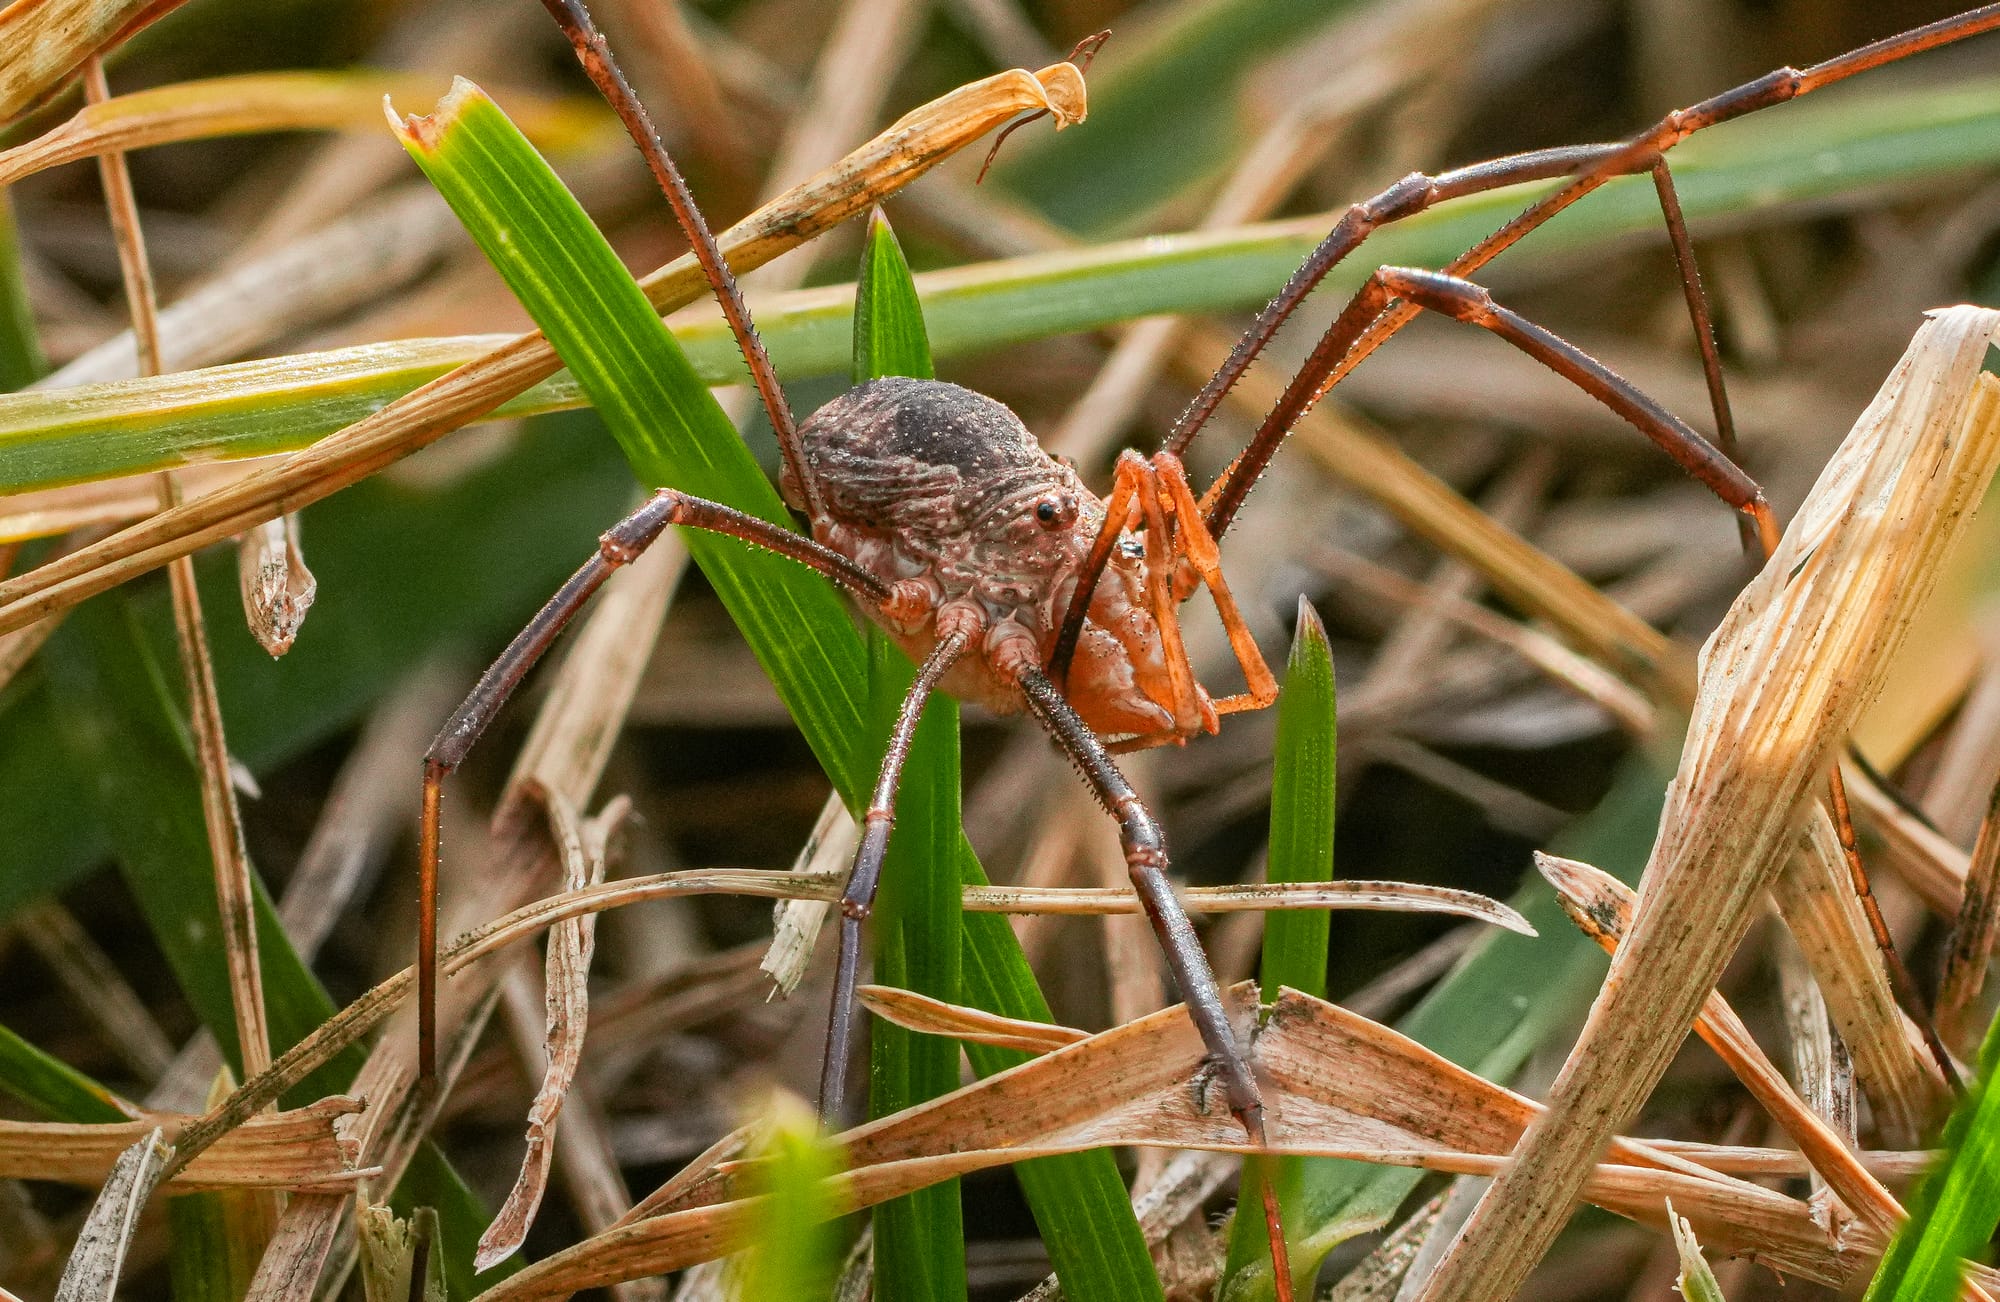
[[1054, 511]]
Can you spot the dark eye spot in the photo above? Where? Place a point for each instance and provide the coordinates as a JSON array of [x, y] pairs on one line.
[[1046, 511]]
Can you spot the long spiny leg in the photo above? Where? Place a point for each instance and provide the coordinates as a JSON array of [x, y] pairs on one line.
[[1193, 541], [1146, 861], [858, 899], [1589, 167], [604, 73], [620, 545]]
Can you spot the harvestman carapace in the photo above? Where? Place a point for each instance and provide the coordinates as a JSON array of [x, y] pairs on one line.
[[1012, 585]]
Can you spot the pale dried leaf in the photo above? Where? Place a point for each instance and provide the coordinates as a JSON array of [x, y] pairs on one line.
[[91, 1273], [796, 924], [47, 41], [1799, 654], [292, 1260], [1816, 896]]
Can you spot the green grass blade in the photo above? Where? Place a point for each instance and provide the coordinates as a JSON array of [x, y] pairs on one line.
[[920, 1237], [1817, 150], [670, 430], [1697, 1281], [21, 360], [215, 1241], [794, 1251], [52, 1087], [1295, 941], [1956, 1207]]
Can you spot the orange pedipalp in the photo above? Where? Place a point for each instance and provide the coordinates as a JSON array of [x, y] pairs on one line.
[[1195, 542]]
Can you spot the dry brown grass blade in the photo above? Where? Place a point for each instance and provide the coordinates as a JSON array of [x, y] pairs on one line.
[[235, 900], [1601, 907], [1799, 654], [99, 1254], [290, 1266], [1582, 676], [1972, 936], [281, 1150], [1338, 1085], [272, 101], [1926, 860], [907, 1008], [1815, 894], [45, 42], [796, 924], [908, 148], [528, 920]]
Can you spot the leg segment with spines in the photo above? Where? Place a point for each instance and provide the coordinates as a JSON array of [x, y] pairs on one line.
[[858, 900], [620, 545]]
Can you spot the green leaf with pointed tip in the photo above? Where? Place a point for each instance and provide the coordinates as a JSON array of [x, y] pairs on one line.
[[920, 1237], [1295, 941], [671, 431], [1956, 1205]]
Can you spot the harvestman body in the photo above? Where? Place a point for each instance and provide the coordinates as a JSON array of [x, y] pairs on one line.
[[1014, 587]]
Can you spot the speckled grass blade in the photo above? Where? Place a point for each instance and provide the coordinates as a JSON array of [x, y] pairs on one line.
[[1295, 942], [672, 432], [1956, 1207], [919, 1238]]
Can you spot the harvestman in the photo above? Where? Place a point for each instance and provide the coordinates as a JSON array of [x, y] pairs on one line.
[[1012, 585]]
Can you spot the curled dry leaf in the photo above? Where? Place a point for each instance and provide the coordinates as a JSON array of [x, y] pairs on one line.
[[910, 147], [1799, 654], [277, 587], [1336, 1085], [566, 996], [280, 1150]]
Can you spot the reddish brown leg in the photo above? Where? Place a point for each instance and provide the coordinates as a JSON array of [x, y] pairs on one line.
[[858, 900], [604, 73], [1590, 166], [621, 544], [1146, 860]]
